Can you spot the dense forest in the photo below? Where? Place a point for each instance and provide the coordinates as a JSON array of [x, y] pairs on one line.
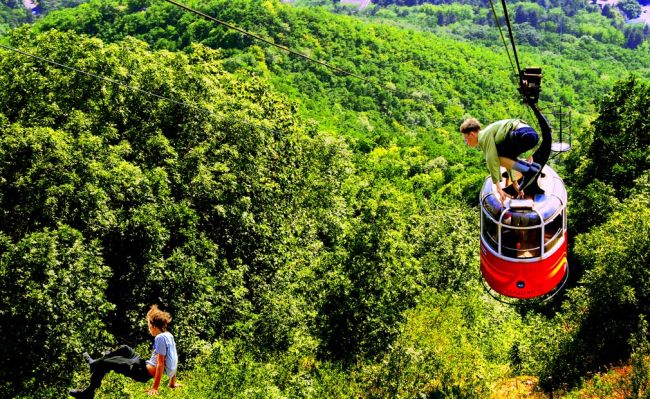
[[12, 14], [313, 235], [537, 23]]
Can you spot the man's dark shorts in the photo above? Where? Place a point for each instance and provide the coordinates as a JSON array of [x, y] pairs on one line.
[[123, 361], [517, 142]]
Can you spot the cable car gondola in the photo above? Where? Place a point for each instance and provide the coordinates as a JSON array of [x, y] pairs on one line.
[[524, 241]]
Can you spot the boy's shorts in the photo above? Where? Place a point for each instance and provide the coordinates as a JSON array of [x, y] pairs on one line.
[[517, 142], [125, 361]]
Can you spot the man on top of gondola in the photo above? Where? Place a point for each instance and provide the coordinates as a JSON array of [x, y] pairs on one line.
[[502, 142]]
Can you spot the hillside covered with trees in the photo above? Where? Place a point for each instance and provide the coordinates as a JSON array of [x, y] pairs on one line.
[[12, 14], [538, 23], [312, 234]]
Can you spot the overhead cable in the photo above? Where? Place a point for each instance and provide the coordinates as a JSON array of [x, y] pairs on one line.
[[133, 88], [116, 82], [512, 37], [287, 49], [503, 39]]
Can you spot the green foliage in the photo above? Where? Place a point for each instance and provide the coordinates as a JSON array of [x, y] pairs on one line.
[[451, 346], [613, 154], [617, 251], [631, 8], [229, 369], [242, 222], [591, 205], [12, 14], [238, 374], [424, 75], [369, 116], [627, 381], [366, 292], [203, 211], [548, 22], [635, 33], [610, 220], [397, 246], [602, 314], [640, 384], [447, 246], [51, 5], [53, 303], [312, 235], [618, 151]]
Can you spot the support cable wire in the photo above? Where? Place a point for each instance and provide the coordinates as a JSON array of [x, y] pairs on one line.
[[137, 89], [560, 127], [503, 39], [512, 37], [288, 50], [530, 97], [506, 15], [115, 82]]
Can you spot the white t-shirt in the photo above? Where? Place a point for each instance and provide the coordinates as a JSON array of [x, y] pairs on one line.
[[164, 344]]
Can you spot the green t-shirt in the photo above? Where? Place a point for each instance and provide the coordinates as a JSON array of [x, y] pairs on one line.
[[488, 139]]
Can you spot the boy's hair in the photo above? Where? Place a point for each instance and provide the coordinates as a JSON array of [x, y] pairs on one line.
[[470, 125], [158, 318]]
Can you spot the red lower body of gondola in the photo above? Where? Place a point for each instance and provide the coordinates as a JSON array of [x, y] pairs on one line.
[[516, 278]]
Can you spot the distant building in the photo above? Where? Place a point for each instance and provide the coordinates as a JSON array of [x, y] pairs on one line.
[[32, 7]]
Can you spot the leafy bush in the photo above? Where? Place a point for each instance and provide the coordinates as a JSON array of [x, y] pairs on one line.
[[618, 150], [451, 346], [53, 307], [596, 323], [631, 8]]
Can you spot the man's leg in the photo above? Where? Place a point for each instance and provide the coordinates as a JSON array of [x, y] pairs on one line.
[[506, 162], [121, 361], [520, 166], [139, 371], [521, 169]]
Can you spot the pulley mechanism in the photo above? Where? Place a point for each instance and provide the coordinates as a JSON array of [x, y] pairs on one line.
[[530, 84]]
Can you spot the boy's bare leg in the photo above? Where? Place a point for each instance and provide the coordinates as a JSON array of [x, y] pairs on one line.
[[173, 383]]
